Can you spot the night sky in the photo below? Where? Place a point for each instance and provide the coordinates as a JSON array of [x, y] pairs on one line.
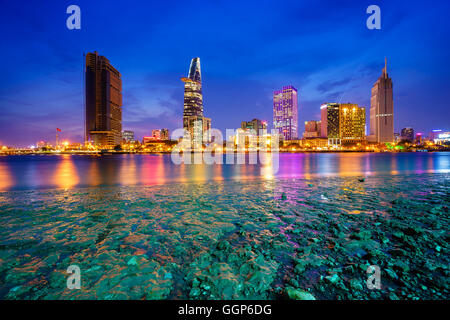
[[247, 49]]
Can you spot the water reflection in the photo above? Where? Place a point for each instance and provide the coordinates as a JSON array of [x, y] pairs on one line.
[[67, 171], [93, 173], [6, 178], [65, 175]]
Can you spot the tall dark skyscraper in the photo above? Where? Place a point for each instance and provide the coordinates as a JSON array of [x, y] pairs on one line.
[[103, 102], [329, 120], [382, 109]]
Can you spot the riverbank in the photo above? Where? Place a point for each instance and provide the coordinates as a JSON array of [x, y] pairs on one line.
[[295, 238]]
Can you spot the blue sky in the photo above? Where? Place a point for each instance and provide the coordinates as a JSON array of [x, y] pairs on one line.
[[248, 49]]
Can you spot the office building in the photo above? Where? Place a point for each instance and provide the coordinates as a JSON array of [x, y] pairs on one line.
[[312, 129], [258, 126], [285, 112], [156, 134], [164, 134], [329, 122], [382, 109], [128, 136], [342, 123], [194, 121], [352, 123], [103, 102]]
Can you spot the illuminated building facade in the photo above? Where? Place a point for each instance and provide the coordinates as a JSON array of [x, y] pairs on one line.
[[314, 143], [352, 123], [199, 128], [343, 123], [193, 119], [259, 127], [165, 134], [419, 138], [128, 136], [312, 129], [382, 110], [193, 98], [103, 102], [329, 121], [285, 112], [160, 134], [407, 134], [443, 138], [156, 134]]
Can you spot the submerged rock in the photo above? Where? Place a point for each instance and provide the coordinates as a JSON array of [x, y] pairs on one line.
[[297, 294]]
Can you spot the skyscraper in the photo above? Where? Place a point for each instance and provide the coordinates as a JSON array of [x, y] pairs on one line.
[[285, 112], [342, 122], [193, 98], [382, 109], [352, 123], [103, 102], [193, 118], [329, 120]]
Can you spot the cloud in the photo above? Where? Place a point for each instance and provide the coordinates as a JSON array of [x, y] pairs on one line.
[[328, 86]]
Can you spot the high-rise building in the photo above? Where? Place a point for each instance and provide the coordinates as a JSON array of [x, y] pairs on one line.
[[312, 129], [103, 102], [407, 134], [128, 136], [342, 122], [156, 133], [165, 134], [352, 123], [257, 125], [285, 112], [159, 134], [193, 119], [329, 120], [382, 109], [193, 98]]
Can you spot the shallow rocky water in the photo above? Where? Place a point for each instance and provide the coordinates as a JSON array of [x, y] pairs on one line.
[[257, 239]]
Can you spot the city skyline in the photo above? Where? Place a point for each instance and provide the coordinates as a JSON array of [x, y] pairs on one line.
[[40, 90]]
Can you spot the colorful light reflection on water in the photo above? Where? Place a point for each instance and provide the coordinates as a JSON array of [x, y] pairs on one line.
[[67, 171]]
